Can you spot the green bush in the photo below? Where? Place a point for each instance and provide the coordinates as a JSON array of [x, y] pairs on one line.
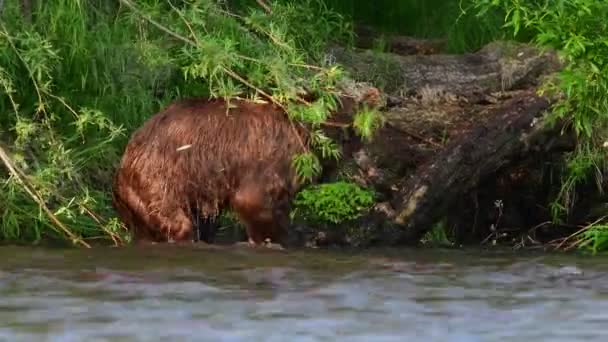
[[578, 30], [332, 202]]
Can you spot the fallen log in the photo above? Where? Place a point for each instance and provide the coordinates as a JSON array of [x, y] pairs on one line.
[[427, 194], [498, 66], [453, 124]]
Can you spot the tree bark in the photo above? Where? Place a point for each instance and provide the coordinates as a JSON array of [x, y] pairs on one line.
[[498, 66], [26, 10], [428, 193]]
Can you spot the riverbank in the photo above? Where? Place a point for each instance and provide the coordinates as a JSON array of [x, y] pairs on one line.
[[75, 90]]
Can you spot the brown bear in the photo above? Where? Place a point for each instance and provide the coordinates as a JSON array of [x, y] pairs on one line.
[[200, 156]]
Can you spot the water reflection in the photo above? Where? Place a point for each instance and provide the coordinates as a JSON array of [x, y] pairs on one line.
[[234, 294]]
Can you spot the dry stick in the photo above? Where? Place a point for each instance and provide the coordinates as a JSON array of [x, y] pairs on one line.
[[264, 6], [157, 24], [421, 138], [18, 175], [115, 238], [185, 22], [335, 124], [587, 227]]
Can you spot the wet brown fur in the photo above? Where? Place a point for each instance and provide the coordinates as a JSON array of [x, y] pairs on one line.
[[239, 158]]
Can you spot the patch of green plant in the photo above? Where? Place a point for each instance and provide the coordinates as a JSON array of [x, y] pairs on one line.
[[578, 30], [438, 235], [594, 238], [332, 202]]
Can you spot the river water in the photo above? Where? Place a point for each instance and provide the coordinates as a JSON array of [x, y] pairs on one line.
[[171, 293]]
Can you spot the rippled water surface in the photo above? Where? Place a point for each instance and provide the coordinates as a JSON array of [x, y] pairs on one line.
[[169, 293]]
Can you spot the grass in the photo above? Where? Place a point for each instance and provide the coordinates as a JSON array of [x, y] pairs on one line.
[[78, 79], [449, 19], [61, 77], [426, 19]]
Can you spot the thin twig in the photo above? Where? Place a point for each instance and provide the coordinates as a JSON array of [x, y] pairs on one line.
[[115, 238], [157, 24], [29, 70], [265, 6], [36, 197], [421, 138], [578, 232], [185, 22], [334, 124]]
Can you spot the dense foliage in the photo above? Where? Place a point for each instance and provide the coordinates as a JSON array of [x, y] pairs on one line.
[[578, 30], [443, 19], [81, 75]]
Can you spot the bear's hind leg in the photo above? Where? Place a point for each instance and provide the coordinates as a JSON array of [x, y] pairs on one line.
[[174, 224]]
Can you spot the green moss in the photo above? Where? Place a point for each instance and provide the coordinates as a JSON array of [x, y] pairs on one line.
[[332, 202]]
